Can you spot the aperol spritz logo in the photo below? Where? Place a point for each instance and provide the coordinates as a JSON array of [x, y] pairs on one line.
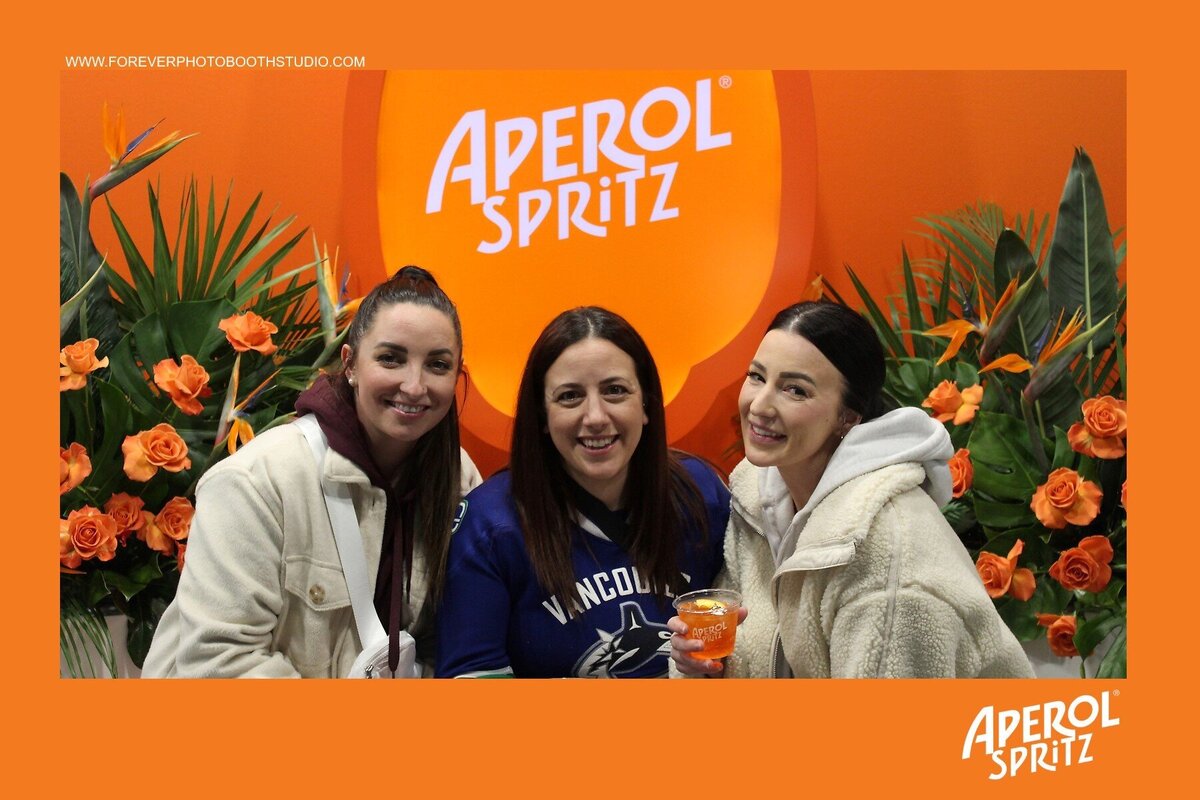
[[581, 190], [654, 194], [1039, 738]]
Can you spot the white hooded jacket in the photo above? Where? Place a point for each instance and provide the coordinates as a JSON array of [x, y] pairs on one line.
[[868, 579]]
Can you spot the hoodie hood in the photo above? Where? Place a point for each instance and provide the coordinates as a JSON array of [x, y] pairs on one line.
[[902, 436]]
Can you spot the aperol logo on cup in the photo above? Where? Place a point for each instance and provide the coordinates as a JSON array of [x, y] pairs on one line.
[[654, 194]]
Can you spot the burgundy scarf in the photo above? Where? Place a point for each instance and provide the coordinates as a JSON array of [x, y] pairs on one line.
[[331, 401]]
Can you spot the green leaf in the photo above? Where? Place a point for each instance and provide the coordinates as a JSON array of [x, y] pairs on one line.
[[1003, 459], [143, 278], [140, 634], [193, 330], [1113, 665], [1082, 265], [116, 422], [960, 515], [1064, 456], [1095, 629], [127, 375], [998, 514], [1020, 619], [1013, 259], [891, 339]]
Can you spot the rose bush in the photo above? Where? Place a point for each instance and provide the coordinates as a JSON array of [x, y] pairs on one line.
[[139, 359], [1040, 434]]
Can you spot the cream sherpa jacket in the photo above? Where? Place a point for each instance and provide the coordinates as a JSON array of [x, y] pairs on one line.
[[263, 594], [871, 581]]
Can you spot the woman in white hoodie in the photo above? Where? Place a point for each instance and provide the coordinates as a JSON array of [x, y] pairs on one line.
[[835, 540]]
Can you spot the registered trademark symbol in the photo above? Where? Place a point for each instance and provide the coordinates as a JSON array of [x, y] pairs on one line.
[[725, 81], [1116, 692]]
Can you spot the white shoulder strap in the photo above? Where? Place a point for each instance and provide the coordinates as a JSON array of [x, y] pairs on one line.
[[348, 537]]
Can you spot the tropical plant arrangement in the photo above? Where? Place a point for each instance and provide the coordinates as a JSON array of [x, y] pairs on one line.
[[1031, 386], [160, 376]]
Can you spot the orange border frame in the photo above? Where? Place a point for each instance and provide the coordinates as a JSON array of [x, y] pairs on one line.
[[554, 739]]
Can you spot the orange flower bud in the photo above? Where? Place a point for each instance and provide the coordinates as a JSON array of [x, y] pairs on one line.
[[249, 331], [78, 360], [962, 471], [1086, 566], [948, 404], [1065, 498], [73, 466], [185, 383], [148, 451], [1060, 633], [1102, 432]]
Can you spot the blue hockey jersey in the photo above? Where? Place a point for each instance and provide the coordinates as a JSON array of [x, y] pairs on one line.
[[497, 620]]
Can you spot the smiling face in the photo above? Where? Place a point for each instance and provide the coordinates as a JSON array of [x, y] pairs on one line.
[[403, 373], [594, 415], [791, 407]]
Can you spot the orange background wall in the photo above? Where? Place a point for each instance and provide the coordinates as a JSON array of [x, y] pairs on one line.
[[891, 146]]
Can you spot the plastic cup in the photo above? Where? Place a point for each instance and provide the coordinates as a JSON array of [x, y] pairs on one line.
[[712, 617]]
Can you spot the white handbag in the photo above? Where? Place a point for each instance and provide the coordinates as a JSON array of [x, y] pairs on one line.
[[372, 662]]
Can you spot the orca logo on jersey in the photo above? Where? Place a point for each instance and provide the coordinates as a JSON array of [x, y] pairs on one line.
[[627, 649], [459, 513]]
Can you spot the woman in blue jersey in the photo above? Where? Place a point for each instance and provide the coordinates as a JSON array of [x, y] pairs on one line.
[[565, 565]]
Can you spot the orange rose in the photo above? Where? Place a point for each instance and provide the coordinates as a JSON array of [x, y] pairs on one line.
[[962, 471], [149, 450], [155, 537], [91, 534], [249, 331], [1060, 633], [1000, 576], [77, 361], [73, 466], [1066, 498], [947, 403], [1102, 432], [67, 556], [185, 383], [179, 556], [1086, 566], [175, 519], [126, 511]]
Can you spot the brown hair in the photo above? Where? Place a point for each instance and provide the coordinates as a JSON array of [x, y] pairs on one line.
[[662, 496], [439, 484]]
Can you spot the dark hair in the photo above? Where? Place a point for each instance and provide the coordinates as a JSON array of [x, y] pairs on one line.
[[849, 342], [662, 495], [439, 477]]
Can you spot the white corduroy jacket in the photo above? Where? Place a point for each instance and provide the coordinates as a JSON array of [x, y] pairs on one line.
[[870, 582]]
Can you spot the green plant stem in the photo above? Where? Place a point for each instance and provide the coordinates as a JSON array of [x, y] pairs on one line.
[[1035, 439]]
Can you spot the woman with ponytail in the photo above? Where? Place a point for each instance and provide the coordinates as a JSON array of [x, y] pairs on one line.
[[264, 593]]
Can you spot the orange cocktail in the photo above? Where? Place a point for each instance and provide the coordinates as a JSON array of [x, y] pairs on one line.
[[712, 617]]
